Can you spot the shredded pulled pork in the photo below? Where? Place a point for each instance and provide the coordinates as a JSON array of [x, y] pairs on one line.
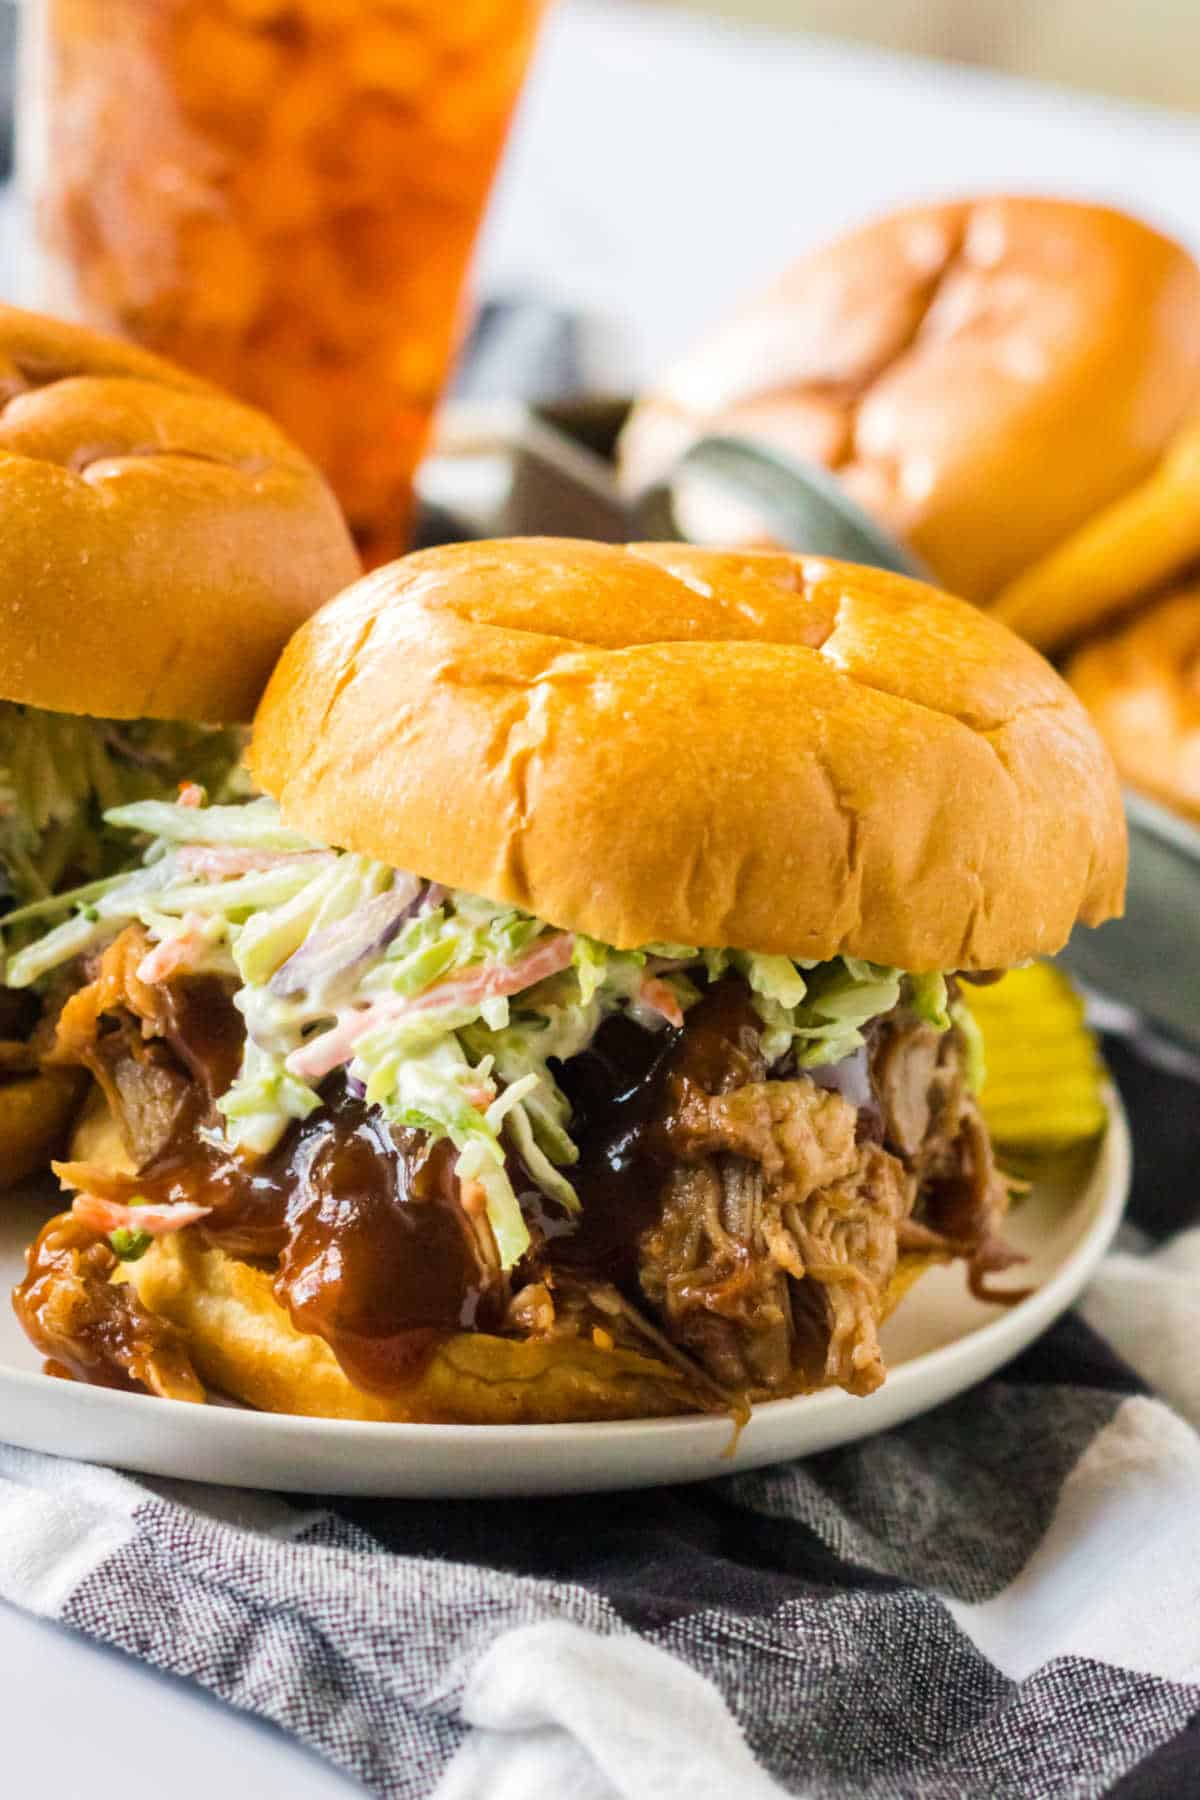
[[113, 983], [150, 1046], [92, 1327], [931, 1121], [783, 1207], [740, 1223], [115, 1027], [777, 1236]]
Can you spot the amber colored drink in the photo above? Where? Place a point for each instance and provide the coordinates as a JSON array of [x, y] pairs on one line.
[[280, 194]]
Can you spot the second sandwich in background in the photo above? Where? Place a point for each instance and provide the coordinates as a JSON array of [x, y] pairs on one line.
[[159, 543], [985, 376]]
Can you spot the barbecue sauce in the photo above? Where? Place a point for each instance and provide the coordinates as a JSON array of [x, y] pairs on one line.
[[364, 1223], [619, 1089], [380, 1258], [375, 1251]]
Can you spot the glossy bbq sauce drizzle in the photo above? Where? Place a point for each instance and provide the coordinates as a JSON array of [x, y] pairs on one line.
[[375, 1251], [364, 1223], [619, 1089], [380, 1258]]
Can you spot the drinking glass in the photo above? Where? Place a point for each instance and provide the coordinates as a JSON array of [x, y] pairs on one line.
[[280, 194]]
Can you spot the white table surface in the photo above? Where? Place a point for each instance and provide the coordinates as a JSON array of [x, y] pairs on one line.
[[659, 168]]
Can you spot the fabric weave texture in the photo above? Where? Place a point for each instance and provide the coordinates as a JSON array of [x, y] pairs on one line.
[[1000, 1598]]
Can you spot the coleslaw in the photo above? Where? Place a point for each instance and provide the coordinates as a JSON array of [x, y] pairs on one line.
[[59, 772], [447, 1010]]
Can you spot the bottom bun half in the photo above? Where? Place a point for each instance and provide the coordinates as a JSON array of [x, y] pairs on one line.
[[243, 1343]]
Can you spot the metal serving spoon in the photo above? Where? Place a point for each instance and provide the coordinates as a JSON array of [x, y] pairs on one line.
[[806, 507]]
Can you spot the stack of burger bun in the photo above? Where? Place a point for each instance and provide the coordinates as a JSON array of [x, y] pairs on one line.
[[160, 543], [1012, 386]]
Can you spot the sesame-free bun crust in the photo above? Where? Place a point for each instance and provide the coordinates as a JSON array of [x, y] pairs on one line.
[[984, 375], [1142, 687], [243, 1344], [662, 743], [159, 542]]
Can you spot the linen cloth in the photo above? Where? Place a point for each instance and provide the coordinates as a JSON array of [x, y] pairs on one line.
[[1001, 1598]]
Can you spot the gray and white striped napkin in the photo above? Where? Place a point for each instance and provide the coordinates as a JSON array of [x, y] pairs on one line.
[[1001, 1598]]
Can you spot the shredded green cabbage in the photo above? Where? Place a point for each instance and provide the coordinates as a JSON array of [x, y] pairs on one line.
[[59, 773], [449, 1011]]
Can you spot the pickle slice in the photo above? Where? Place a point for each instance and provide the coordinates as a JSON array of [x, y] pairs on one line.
[[1044, 1084]]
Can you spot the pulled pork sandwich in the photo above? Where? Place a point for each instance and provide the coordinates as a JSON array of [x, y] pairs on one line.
[[575, 1030], [160, 545]]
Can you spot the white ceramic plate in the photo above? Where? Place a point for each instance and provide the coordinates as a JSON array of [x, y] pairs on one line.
[[939, 1342]]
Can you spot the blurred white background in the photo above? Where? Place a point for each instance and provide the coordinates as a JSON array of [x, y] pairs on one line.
[[667, 161]]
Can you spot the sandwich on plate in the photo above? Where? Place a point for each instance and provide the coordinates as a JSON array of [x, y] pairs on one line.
[[160, 545], [573, 1028]]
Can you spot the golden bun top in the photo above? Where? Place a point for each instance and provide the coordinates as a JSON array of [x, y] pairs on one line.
[[1142, 688], [983, 375], [664, 743], [159, 542]]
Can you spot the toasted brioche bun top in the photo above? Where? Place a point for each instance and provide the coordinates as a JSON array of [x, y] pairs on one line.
[[662, 743], [159, 542], [983, 375]]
